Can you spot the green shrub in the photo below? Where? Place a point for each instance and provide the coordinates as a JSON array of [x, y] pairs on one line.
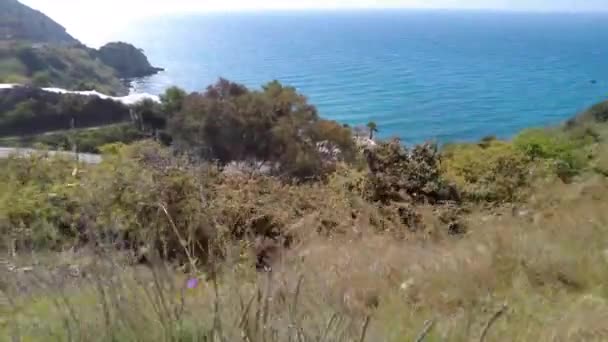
[[398, 174], [275, 126], [38, 202], [27, 111], [142, 197], [11, 69], [14, 79], [599, 163], [563, 151], [495, 172], [41, 79]]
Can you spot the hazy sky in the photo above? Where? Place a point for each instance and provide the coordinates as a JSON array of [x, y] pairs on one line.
[[92, 21]]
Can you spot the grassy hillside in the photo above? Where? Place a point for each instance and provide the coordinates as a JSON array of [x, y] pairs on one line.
[[68, 67], [487, 241], [35, 50]]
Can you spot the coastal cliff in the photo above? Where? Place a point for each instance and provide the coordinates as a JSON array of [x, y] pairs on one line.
[[37, 51], [20, 22], [127, 60]]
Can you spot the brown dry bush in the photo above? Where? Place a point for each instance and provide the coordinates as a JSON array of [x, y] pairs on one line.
[[142, 197]]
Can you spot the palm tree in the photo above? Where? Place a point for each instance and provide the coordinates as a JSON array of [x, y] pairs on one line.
[[373, 128]]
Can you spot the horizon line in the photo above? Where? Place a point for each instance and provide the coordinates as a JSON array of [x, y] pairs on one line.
[[397, 8]]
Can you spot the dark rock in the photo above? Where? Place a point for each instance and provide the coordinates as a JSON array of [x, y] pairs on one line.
[[127, 60]]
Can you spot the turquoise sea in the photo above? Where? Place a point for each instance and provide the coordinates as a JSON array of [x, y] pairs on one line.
[[443, 75]]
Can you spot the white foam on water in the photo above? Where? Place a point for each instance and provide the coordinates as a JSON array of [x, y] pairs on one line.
[[128, 100]]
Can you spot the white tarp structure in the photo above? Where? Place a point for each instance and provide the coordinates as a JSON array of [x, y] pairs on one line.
[[128, 100]]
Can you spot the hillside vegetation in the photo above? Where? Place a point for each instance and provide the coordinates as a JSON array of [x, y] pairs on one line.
[[68, 67], [19, 22], [36, 51], [27, 111], [265, 222]]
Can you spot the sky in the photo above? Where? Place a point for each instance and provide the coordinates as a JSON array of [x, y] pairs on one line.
[[93, 21]]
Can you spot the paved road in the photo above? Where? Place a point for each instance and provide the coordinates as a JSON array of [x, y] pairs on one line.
[[88, 158]]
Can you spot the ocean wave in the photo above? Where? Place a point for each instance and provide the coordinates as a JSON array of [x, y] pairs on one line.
[[130, 99]]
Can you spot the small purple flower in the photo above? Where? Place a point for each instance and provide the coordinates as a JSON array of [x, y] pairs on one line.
[[192, 283]]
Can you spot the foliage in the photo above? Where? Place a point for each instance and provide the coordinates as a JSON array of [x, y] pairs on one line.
[[173, 100], [26, 111], [41, 79], [153, 201], [38, 206], [399, 174], [544, 276], [275, 125], [37, 51], [546, 144], [85, 140], [20, 22], [69, 67], [373, 129], [149, 116], [333, 271], [563, 151], [324, 245], [141, 197], [494, 172]]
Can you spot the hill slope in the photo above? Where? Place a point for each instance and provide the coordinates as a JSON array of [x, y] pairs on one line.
[[69, 67], [35, 50], [20, 22]]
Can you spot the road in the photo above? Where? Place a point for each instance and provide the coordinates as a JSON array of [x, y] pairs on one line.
[[88, 158]]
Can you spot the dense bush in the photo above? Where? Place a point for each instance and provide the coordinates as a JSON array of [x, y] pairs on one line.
[[26, 111], [562, 151], [149, 116], [18, 21], [274, 126], [495, 171], [143, 198], [39, 208], [547, 144], [84, 140], [399, 174]]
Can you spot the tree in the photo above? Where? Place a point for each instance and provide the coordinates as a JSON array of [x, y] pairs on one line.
[[172, 100], [399, 174], [373, 129], [275, 126], [149, 116]]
